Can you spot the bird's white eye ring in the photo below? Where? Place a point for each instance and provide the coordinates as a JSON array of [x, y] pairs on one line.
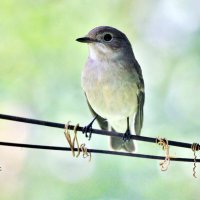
[[107, 37]]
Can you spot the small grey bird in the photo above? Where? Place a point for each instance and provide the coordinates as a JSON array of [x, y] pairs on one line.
[[113, 84]]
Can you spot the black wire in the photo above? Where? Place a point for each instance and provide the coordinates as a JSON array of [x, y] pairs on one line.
[[99, 151], [95, 131]]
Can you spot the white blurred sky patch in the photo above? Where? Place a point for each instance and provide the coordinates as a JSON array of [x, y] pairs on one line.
[[171, 22]]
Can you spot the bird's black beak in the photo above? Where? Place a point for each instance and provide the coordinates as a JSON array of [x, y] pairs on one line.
[[86, 40]]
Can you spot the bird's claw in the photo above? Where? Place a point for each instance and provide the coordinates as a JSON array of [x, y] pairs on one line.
[[88, 129], [127, 136]]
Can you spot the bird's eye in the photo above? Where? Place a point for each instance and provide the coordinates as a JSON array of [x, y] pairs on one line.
[[107, 37]]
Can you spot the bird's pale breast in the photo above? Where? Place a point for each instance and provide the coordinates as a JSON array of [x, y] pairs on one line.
[[111, 89]]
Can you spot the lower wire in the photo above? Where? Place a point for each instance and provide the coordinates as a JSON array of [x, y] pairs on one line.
[[98, 151]]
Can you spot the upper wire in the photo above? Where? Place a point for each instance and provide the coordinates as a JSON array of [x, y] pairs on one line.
[[95, 131]]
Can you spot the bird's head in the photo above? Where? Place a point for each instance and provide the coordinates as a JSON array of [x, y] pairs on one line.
[[105, 41]]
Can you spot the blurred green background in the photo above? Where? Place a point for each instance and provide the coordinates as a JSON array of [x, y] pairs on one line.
[[40, 68]]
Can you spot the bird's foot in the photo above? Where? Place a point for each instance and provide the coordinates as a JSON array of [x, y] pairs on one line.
[[88, 129], [127, 135]]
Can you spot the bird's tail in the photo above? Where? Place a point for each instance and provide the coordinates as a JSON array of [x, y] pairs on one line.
[[118, 143]]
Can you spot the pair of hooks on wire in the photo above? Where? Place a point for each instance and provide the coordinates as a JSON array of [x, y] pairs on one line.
[[165, 146], [74, 142]]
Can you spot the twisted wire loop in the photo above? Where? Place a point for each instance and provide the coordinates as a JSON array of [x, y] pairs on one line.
[[195, 147], [74, 142], [68, 137], [85, 152], [164, 143]]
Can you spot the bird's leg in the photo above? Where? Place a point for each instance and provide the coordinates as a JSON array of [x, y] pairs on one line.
[[127, 134], [88, 129]]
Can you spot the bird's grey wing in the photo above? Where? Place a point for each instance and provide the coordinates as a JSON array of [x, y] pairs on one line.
[[141, 98], [101, 121]]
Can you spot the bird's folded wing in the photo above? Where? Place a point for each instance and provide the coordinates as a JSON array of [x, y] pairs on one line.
[[101, 121], [141, 99]]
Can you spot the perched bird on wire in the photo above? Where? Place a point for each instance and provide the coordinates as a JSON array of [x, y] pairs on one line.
[[113, 84]]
